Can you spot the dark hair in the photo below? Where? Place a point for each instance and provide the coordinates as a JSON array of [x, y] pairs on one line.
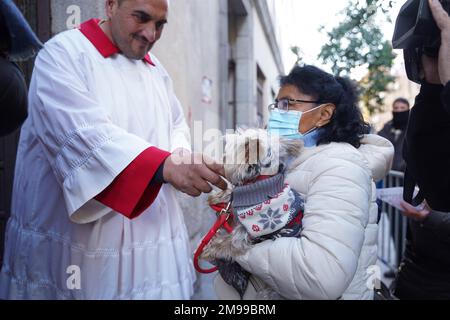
[[5, 39], [347, 123], [402, 100]]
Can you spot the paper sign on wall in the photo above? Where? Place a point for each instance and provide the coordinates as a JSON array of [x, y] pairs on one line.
[[207, 90]]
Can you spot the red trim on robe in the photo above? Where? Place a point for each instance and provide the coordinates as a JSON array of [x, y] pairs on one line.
[[100, 40], [131, 193]]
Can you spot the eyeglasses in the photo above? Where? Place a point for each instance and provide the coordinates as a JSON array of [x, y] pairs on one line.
[[283, 105]]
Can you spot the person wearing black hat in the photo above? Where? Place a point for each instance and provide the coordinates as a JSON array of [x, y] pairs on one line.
[[395, 131], [425, 270], [17, 43]]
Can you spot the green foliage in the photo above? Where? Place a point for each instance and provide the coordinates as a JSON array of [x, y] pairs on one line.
[[359, 42]]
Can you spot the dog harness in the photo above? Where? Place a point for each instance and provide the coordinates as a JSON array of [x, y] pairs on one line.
[[268, 209]]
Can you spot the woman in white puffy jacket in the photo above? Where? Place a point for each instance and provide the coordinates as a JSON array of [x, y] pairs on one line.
[[335, 256]]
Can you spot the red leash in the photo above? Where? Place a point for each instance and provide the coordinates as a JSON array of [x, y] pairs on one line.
[[224, 215]]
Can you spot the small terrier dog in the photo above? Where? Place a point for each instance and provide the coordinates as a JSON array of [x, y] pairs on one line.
[[264, 207]]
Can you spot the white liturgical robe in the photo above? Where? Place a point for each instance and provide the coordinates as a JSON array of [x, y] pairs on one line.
[[92, 114]]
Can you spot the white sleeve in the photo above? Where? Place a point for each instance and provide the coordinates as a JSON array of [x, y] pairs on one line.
[[85, 149], [322, 263]]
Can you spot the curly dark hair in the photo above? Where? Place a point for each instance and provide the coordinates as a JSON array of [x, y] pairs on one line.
[[347, 123]]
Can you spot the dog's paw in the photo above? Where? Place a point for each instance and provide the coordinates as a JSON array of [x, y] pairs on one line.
[[208, 253], [219, 248], [240, 241]]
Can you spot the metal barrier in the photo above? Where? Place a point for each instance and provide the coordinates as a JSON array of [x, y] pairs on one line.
[[392, 227]]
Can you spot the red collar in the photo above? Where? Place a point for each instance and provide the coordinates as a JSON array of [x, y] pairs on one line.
[[262, 178], [100, 40]]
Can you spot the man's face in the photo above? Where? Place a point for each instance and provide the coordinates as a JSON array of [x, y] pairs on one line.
[[136, 25], [400, 107]]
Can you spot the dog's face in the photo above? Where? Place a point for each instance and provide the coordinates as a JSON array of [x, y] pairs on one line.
[[253, 152]]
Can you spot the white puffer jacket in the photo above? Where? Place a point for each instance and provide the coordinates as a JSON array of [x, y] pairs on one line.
[[332, 259]]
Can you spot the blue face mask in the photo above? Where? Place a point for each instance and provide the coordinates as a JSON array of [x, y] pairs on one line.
[[286, 124]]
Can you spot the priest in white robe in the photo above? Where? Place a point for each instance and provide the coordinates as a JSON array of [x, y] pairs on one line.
[[94, 213]]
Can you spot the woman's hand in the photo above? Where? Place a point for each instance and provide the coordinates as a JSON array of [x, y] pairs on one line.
[[418, 214], [443, 21]]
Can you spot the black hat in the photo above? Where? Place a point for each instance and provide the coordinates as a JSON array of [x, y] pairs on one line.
[[415, 26], [416, 33], [24, 43]]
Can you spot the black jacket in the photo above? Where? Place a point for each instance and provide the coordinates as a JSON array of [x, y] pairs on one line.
[[425, 269], [396, 137], [427, 145], [13, 97]]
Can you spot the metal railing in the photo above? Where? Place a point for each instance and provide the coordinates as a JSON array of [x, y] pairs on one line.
[[392, 226]]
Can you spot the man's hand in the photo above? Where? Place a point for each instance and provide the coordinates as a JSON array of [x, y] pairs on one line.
[[190, 173], [443, 21], [413, 213]]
